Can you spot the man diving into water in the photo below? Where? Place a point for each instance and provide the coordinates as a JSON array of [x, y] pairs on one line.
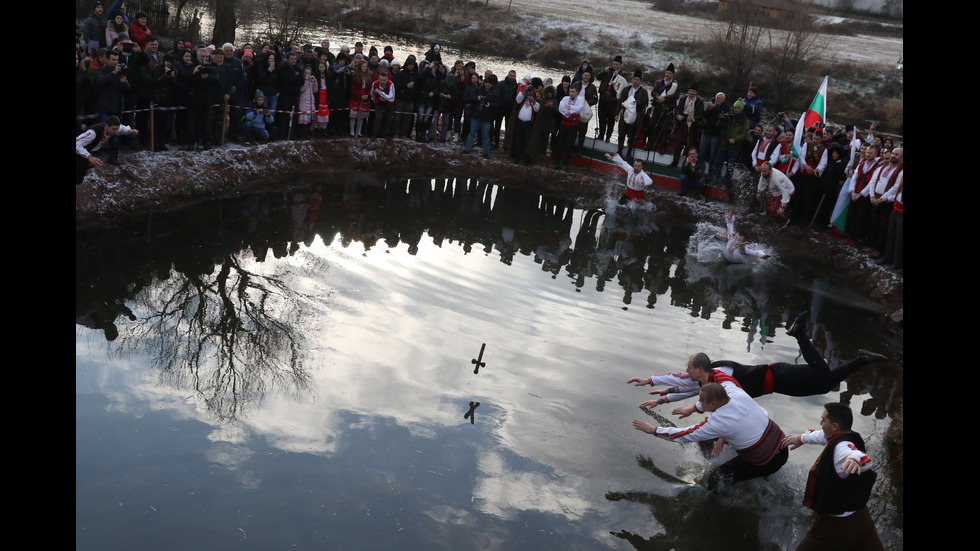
[[736, 247], [814, 378]]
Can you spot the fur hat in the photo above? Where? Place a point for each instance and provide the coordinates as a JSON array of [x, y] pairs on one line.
[[638, 74], [670, 67], [618, 58]]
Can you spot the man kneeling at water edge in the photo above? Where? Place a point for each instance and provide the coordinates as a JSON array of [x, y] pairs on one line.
[[739, 421]]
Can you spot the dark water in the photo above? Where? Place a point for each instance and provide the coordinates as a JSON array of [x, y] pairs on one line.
[[294, 370]]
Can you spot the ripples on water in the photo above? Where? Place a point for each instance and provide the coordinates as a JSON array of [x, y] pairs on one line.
[[294, 369]]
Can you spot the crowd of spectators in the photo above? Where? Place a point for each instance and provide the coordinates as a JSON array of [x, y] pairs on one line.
[[203, 94]]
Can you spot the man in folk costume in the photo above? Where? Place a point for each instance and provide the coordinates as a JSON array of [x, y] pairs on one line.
[[688, 123], [859, 211], [664, 97], [766, 149], [813, 159], [736, 420], [591, 95], [383, 96], [612, 81], [786, 161], [637, 181], [527, 108], [780, 190], [839, 485], [570, 109], [886, 177], [633, 101], [895, 239], [95, 138]]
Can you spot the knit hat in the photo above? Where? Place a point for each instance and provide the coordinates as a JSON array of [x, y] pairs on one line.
[[739, 104], [259, 94], [394, 62]]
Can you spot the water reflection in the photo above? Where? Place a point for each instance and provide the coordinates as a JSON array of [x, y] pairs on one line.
[[328, 334]]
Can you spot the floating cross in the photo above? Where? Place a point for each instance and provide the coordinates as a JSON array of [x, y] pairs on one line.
[[479, 360], [471, 414]]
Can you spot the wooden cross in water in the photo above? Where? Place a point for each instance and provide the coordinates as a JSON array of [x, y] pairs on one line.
[[479, 360]]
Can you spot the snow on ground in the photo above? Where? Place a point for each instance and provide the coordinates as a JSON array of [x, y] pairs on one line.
[[593, 18]]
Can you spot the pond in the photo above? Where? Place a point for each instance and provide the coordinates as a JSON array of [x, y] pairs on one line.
[[297, 370]]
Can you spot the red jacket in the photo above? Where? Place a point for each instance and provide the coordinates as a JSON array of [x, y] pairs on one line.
[[138, 34]]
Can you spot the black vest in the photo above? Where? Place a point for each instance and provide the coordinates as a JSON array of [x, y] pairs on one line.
[[832, 495]]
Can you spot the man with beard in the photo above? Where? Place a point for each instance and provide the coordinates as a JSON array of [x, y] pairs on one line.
[[633, 101], [688, 121], [611, 83], [859, 210], [766, 149], [664, 97], [637, 181]]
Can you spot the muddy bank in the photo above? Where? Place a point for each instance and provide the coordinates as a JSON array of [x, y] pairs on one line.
[[150, 182]]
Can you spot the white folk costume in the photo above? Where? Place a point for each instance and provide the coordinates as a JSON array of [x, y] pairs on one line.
[[745, 426], [766, 150], [636, 184], [780, 187]]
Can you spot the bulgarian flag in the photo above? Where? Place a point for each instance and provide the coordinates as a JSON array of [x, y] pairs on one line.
[[818, 109], [817, 113]]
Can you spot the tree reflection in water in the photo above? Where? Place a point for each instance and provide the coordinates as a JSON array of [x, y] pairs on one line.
[[230, 336]]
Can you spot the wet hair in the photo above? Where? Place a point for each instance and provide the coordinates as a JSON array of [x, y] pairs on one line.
[[714, 392], [113, 121], [701, 360], [840, 414]]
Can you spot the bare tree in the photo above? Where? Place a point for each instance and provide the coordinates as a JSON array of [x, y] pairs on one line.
[[792, 50], [740, 40], [288, 19]]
